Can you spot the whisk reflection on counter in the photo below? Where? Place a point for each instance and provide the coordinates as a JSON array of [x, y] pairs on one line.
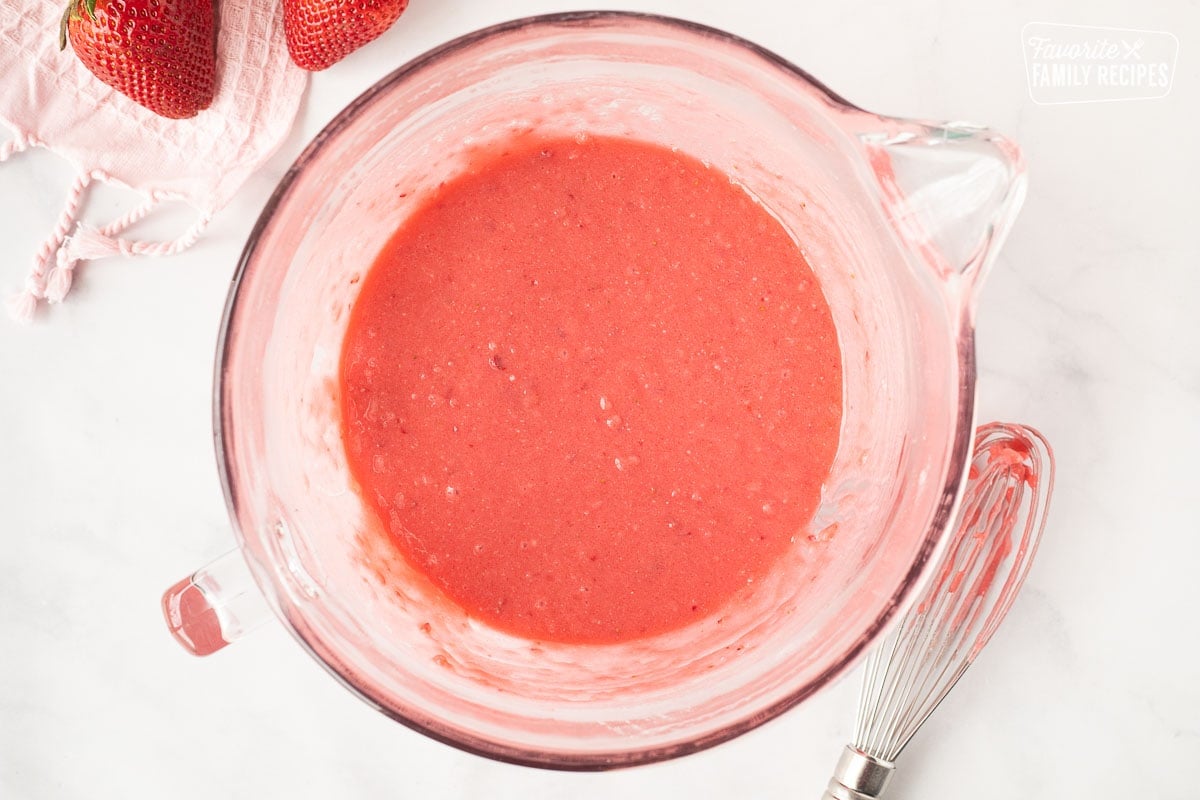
[[996, 535]]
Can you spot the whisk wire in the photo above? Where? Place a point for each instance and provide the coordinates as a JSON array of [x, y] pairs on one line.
[[994, 540], [914, 671], [959, 607]]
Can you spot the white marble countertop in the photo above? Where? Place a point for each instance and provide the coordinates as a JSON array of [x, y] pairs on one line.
[[1087, 330]]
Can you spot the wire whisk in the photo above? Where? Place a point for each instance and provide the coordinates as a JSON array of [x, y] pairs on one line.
[[995, 537]]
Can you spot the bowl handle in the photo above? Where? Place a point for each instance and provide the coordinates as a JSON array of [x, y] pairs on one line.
[[214, 606]]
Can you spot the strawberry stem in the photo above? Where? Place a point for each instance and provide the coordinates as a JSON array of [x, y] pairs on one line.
[[62, 26]]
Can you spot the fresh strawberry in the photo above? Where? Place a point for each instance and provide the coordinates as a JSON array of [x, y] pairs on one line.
[[159, 53], [321, 33]]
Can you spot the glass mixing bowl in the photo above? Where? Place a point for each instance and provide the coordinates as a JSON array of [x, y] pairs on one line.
[[899, 221]]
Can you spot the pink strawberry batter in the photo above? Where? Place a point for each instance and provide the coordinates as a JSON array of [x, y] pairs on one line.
[[591, 388]]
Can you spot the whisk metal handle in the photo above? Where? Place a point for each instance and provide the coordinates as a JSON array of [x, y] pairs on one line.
[[858, 776]]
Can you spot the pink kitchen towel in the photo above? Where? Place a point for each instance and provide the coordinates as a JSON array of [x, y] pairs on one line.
[[49, 99]]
